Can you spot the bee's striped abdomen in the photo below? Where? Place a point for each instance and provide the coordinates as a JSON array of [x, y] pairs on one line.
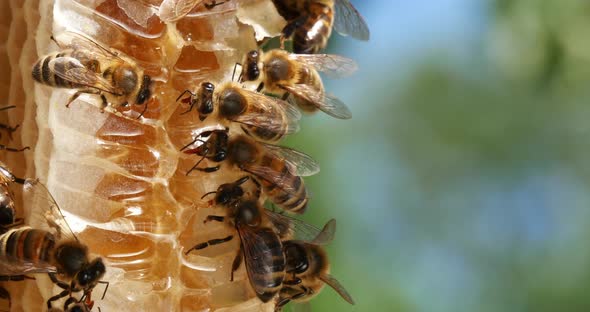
[[44, 71], [292, 201], [314, 34], [27, 244], [269, 276]]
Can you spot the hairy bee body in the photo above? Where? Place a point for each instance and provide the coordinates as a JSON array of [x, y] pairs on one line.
[[91, 68], [233, 102], [288, 74], [44, 70], [268, 276], [239, 105], [310, 22], [293, 201], [307, 272], [285, 189], [28, 245]]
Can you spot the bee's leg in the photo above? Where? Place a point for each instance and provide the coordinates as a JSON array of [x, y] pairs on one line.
[[105, 289], [236, 264], [4, 294], [9, 130], [191, 143], [210, 243], [282, 303], [258, 188], [68, 302], [143, 111], [195, 167], [15, 278], [285, 96], [12, 149], [213, 4], [304, 292], [53, 39], [185, 92], [234, 72], [104, 102], [80, 92], [57, 297], [214, 218], [59, 283], [207, 169], [74, 97], [192, 100]]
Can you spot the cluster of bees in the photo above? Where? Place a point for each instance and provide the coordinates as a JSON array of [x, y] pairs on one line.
[[284, 257]]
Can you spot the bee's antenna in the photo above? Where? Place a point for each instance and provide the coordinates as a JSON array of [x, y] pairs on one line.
[[143, 112], [12, 149], [105, 289], [209, 193], [7, 107]]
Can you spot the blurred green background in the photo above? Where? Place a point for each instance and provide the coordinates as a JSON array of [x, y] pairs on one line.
[[461, 183]]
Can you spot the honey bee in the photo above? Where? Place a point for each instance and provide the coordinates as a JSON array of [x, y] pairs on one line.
[[307, 271], [173, 10], [277, 169], [52, 249], [280, 72], [91, 68], [310, 22], [259, 244], [266, 118], [260, 233]]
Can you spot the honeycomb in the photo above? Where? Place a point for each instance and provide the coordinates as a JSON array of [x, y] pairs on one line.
[[120, 179]]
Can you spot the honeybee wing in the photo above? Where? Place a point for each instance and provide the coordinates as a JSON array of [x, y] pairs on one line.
[[80, 42], [325, 102], [328, 279], [348, 21], [298, 163], [301, 230], [45, 211], [259, 254], [173, 10], [272, 116], [334, 66], [73, 70], [12, 267], [270, 175]]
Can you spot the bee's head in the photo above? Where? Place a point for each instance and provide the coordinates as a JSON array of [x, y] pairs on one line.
[[90, 275], [251, 67], [206, 99]]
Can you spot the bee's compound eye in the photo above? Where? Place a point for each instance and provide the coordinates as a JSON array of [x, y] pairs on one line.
[[296, 257], [209, 87], [253, 55]]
